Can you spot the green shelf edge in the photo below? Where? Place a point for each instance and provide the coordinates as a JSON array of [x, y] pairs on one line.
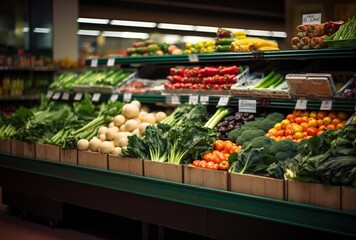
[[307, 216], [228, 56]]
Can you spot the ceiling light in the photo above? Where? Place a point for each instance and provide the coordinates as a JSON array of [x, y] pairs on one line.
[[279, 34], [25, 29], [172, 26], [206, 29], [135, 35], [133, 23], [42, 30], [93, 20], [261, 33], [171, 39], [88, 32], [196, 39]]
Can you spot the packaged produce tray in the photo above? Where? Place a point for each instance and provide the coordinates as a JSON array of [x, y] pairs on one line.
[[311, 85], [341, 43]]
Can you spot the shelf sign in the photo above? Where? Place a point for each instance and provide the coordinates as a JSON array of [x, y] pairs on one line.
[[127, 97], [193, 99], [65, 96], [204, 100], [223, 100], [114, 97], [111, 62], [314, 18], [326, 105], [247, 105], [49, 94], [175, 99], [96, 97], [94, 62], [301, 104], [78, 96], [56, 95], [193, 58]]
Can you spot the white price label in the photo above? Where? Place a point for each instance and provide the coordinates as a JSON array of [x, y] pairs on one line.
[[127, 97], [326, 105], [193, 58], [175, 99], [247, 106], [314, 18], [65, 96], [114, 97], [204, 100], [111, 62], [78, 96], [96, 97], [193, 99], [94, 62], [56, 95], [49, 94], [301, 104], [223, 100]]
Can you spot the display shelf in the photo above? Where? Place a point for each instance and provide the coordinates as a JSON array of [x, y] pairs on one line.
[[28, 68], [232, 56], [60, 176], [19, 98]]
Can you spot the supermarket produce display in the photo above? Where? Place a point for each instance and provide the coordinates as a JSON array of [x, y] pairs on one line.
[[188, 136]]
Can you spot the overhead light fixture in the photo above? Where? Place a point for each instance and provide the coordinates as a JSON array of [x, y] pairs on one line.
[[206, 29], [279, 34], [134, 35], [88, 32], [172, 26], [171, 39], [25, 29], [133, 23], [261, 33], [42, 30], [93, 20], [196, 39]]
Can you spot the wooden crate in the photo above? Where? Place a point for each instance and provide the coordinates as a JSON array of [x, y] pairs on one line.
[[47, 152], [257, 185], [165, 171], [348, 199], [22, 148], [68, 155], [126, 165], [314, 194], [93, 159], [205, 177], [5, 146]]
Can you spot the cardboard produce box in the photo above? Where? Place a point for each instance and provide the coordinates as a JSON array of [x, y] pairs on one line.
[[205, 177], [126, 165], [5, 146], [163, 170], [68, 155], [93, 159], [314, 194], [22, 148], [257, 185], [348, 199], [47, 152]]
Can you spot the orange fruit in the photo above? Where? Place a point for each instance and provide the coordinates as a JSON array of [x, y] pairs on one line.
[[343, 115], [327, 120], [331, 126], [320, 122]]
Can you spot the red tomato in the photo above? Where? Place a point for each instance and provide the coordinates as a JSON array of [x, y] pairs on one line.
[[216, 166], [202, 164], [209, 165], [219, 145], [224, 165], [191, 165], [196, 163]]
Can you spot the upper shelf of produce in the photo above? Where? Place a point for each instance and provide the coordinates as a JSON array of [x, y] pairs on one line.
[[347, 52]]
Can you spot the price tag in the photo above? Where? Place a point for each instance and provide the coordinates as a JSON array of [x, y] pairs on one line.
[[127, 97], [96, 97], [175, 99], [94, 62], [204, 100], [56, 95], [223, 100], [114, 97], [49, 94], [326, 105], [65, 96], [247, 105], [314, 18], [111, 62], [78, 96], [301, 104], [193, 99], [193, 58]]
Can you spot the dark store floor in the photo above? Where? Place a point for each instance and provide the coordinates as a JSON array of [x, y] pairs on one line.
[[79, 223]]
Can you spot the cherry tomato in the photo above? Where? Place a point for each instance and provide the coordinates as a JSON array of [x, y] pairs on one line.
[[224, 165]]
